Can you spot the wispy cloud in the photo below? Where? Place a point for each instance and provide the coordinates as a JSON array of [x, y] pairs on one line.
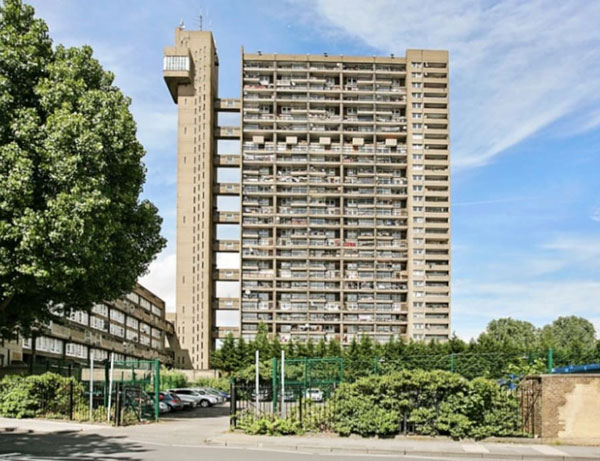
[[516, 67], [595, 215], [538, 302]]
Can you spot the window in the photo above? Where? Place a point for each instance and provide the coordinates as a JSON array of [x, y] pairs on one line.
[[417, 105], [131, 322], [76, 350], [99, 354], [117, 330], [133, 297], [117, 316], [146, 304], [98, 323], [417, 125], [156, 310], [417, 115], [100, 309], [79, 317], [132, 335], [176, 63], [43, 343], [145, 328]]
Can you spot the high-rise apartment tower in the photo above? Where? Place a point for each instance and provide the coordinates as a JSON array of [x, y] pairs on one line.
[[344, 222]]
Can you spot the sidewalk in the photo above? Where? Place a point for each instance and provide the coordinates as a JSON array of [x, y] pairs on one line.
[[415, 446], [45, 426]]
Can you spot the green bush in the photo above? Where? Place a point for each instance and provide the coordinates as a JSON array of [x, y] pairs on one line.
[[221, 384], [171, 379], [432, 402], [268, 425], [37, 395]]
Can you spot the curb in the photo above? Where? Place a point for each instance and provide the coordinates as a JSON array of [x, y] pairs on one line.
[[402, 451]]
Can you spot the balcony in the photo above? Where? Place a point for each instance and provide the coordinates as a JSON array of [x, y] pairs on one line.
[[228, 132], [176, 70], [228, 105]]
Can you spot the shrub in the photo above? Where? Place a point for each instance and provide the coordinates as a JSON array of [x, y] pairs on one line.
[[221, 384], [268, 425], [171, 379], [37, 395], [432, 402]]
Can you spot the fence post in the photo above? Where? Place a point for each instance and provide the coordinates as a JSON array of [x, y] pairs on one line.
[[156, 388], [71, 400], [232, 403], [452, 363], [375, 362], [342, 370], [274, 383], [118, 404], [550, 360]]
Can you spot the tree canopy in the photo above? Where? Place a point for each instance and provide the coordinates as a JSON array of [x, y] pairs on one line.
[[510, 334], [73, 230]]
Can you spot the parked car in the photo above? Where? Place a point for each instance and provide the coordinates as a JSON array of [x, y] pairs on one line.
[[211, 391], [264, 395], [225, 395], [163, 407], [189, 399], [171, 400], [289, 395], [203, 399], [316, 395]]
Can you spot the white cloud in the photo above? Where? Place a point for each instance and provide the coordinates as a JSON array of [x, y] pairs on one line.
[[516, 67], [596, 214], [161, 278], [537, 301]]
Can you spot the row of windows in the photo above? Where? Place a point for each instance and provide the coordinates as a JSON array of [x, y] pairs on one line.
[[145, 304], [76, 350]]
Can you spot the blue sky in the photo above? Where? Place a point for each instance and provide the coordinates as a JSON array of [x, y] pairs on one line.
[[525, 122]]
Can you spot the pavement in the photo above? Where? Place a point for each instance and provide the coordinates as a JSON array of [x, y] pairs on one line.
[[207, 431]]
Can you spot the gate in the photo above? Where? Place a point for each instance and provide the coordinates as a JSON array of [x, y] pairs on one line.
[[530, 393]]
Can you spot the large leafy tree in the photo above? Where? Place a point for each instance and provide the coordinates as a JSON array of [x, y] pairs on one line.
[[510, 335], [573, 338], [73, 230]]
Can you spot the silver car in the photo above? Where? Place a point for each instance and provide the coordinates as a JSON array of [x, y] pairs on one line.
[[201, 398]]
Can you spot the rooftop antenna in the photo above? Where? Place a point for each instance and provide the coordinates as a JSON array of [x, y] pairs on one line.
[[199, 19], [181, 25]]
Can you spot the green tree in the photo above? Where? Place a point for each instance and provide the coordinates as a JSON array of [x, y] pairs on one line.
[[509, 335], [334, 348], [321, 350], [573, 339], [73, 230], [225, 358], [261, 342]]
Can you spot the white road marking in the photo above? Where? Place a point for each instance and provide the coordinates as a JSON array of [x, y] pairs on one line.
[[551, 451]]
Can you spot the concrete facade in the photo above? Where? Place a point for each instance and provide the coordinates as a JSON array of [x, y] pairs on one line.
[[344, 190], [132, 327]]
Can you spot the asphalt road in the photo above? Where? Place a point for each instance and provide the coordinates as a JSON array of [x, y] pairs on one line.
[[76, 446]]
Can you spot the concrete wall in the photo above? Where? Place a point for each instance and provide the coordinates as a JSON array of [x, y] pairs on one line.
[[570, 406], [562, 407]]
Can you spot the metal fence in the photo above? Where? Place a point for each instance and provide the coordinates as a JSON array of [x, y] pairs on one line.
[[118, 392], [310, 406]]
